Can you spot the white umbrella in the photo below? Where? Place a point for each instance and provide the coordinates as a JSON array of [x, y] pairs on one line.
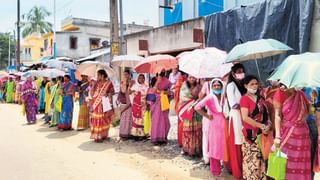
[[126, 60], [62, 65], [51, 73], [90, 68], [205, 63], [258, 49]]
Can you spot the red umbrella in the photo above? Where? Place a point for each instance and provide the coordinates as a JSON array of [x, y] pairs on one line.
[[154, 64]]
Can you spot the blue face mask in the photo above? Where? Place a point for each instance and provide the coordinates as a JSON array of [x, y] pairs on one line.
[[217, 92]]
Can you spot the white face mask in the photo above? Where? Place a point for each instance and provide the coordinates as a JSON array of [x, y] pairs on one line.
[[252, 91]]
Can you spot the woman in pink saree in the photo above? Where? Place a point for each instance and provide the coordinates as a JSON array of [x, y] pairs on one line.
[[292, 133], [160, 124]]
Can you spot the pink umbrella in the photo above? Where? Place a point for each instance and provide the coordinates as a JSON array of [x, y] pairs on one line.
[[5, 78], [154, 64]]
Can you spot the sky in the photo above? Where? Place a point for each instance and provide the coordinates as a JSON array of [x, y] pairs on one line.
[[139, 11]]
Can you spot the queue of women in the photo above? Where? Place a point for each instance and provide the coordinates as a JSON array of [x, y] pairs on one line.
[[232, 122]]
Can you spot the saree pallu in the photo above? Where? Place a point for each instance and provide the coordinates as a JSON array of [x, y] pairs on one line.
[[125, 122], [192, 135], [253, 164], [66, 113], [83, 119]]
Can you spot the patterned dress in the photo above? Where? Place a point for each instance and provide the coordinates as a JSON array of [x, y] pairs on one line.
[[83, 120], [101, 121], [66, 115], [28, 95]]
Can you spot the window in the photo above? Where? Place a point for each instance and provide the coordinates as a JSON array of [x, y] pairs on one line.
[[73, 42], [45, 44], [29, 51], [94, 43]]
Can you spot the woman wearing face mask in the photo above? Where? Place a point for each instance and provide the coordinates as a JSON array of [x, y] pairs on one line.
[[292, 132], [192, 125], [234, 91], [216, 149], [256, 122]]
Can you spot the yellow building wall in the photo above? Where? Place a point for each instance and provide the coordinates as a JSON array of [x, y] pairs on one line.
[[49, 38], [34, 42]]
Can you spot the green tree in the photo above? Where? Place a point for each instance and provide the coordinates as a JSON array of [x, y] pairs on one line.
[[4, 48], [35, 21]]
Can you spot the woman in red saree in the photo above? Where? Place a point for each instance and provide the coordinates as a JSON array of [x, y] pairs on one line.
[[292, 132], [139, 90], [101, 119]]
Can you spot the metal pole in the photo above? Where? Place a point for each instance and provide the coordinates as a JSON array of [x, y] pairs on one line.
[[9, 50], [121, 29], [18, 36], [54, 31], [15, 52]]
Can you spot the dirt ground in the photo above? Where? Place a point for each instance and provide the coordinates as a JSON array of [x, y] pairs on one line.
[[36, 152]]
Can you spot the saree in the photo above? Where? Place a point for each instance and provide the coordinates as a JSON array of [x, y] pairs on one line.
[[47, 97], [17, 97], [41, 105], [54, 96], [100, 121], [295, 133], [138, 109], [83, 119], [160, 124], [176, 94], [192, 127], [253, 164], [28, 95], [126, 114], [66, 115], [9, 91]]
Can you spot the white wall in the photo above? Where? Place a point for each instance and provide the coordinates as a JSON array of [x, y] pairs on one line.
[[177, 37], [315, 31], [188, 9]]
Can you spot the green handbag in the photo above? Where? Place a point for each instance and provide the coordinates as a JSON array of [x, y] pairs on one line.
[[277, 166]]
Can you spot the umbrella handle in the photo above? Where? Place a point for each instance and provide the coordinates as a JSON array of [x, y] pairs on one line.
[[258, 69]]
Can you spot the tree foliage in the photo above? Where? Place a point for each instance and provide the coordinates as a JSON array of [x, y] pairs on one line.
[[35, 21], [4, 49]]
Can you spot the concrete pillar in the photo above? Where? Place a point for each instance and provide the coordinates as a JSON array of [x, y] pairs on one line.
[[315, 30]]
